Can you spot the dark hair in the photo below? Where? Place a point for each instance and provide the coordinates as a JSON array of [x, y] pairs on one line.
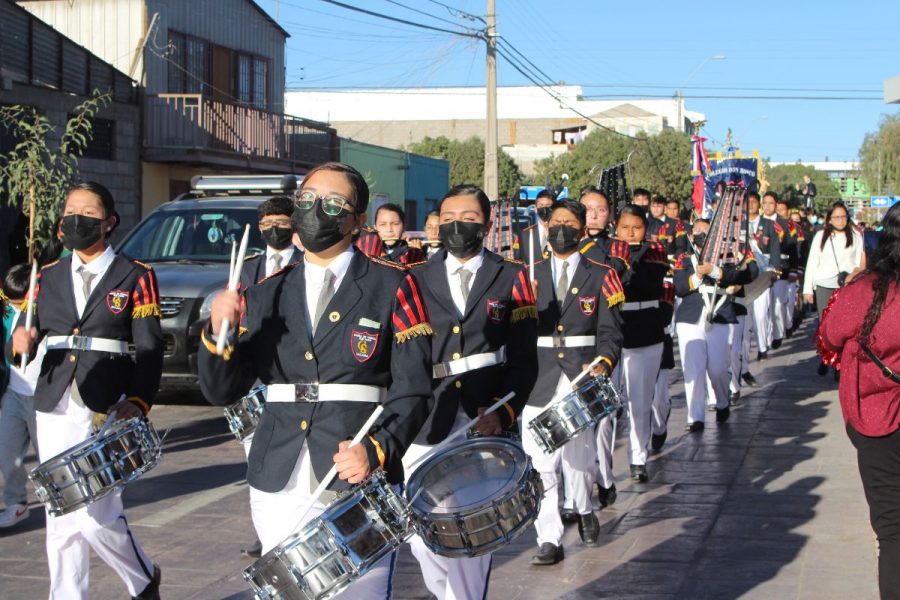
[[573, 206], [15, 283], [783, 202], [276, 205], [391, 207], [673, 201], [469, 189], [545, 194], [885, 264], [357, 181], [593, 189], [752, 195], [640, 192], [106, 198], [700, 221], [657, 199], [829, 229], [635, 211], [771, 194]]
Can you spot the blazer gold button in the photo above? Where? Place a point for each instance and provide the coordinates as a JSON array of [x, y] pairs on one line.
[[71, 358], [561, 355], [559, 327], [456, 356], [574, 290], [303, 425], [458, 384], [308, 355], [456, 329], [334, 317]]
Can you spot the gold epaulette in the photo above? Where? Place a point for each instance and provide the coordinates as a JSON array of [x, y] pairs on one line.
[[588, 246], [514, 261], [139, 263], [286, 268], [416, 264], [388, 263], [48, 265], [597, 262]]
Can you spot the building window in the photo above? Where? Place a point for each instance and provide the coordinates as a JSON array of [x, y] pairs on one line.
[[252, 80], [189, 64], [101, 142]]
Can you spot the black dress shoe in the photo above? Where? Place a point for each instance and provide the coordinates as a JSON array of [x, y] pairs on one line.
[[749, 379], [734, 399], [695, 427], [763, 356], [789, 332], [548, 554], [776, 344], [722, 414], [253, 551], [822, 370], [639, 474], [607, 496], [151, 592], [657, 441], [568, 515], [837, 376], [588, 529]]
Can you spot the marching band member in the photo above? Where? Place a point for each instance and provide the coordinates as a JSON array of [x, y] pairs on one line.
[[645, 319], [765, 240], [662, 401], [432, 242], [389, 223], [667, 231], [796, 261], [90, 306], [781, 311], [578, 319], [704, 346], [533, 239], [484, 317], [331, 337], [597, 243]]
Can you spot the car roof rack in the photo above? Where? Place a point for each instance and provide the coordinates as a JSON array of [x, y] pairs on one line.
[[244, 184]]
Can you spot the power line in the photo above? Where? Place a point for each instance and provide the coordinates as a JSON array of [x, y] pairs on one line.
[[525, 58], [398, 20], [460, 13], [422, 12]]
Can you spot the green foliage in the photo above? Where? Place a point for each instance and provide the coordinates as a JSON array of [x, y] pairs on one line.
[[466, 160], [39, 169], [879, 157], [787, 182], [661, 163]]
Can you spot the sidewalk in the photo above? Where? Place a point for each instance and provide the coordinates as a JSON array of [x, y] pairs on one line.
[[768, 505]]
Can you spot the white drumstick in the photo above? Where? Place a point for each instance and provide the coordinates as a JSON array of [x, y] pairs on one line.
[[110, 419], [233, 258], [461, 431], [29, 309], [532, 249], [332, 473], [232, 287]]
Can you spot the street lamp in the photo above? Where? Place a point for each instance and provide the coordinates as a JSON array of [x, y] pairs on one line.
[[679, 96]]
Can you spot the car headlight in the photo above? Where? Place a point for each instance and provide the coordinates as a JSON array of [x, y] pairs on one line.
[[206, 307]]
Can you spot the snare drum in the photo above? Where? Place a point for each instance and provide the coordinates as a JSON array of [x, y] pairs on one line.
[[355, 532], [475, 497], [560, 422], [97, 466], [243, 415]]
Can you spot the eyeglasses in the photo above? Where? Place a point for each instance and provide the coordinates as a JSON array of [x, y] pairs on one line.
[[332, 204]]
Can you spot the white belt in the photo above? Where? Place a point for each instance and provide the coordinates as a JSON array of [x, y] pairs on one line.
[[469, 363], [785, 256], [640, 305], [324, 392], [567, 341], [86, 344]]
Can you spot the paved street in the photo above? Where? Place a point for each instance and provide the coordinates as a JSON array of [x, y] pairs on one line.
[[767, 506]]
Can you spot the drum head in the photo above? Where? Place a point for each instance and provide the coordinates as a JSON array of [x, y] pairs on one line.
[[466, 476]]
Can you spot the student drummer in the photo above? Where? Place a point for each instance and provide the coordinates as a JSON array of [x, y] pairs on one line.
[[100, 300], [331, 337]]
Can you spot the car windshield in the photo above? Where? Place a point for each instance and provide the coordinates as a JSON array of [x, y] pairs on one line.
[[202, 235]]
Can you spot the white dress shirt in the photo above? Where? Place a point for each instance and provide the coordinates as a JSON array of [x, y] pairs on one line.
[[97, 267], [286, 255], [573, 261], [453, 267], [314, 276]]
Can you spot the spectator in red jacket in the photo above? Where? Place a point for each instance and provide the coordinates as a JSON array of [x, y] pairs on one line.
[[859, 333]]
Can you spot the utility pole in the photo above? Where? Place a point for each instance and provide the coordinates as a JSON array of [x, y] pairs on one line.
[[491, 176]]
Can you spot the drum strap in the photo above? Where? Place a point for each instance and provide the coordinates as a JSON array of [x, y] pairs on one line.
[[86, 344], [567, 341], [469, 363], [324, 392], [629, 306]]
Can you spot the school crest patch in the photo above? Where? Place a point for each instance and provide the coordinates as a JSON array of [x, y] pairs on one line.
[[496, 311], [588, 304], [117, 300], [363, 344]]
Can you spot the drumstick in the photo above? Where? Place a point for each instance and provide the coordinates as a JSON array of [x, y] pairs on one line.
[[29, 310], [531, 252], [232, 287], [462, 430], [233, 257], [109, 419], [332, 473]]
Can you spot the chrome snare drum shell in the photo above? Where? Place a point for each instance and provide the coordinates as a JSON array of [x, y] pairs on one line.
[[353, 534], [243, 415], [474, 497], [97, 466], [577, 411]]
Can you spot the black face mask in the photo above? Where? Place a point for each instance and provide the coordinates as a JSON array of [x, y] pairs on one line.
[[562, 238], [699, 241], [544, 213], [317, 230], [462, 239], [80, 232], [278, 238]]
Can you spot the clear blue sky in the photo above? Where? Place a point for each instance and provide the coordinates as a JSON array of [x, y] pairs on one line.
[[609, 46]]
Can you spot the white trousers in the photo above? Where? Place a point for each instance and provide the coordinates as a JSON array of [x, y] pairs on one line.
[[275, 517], [662, 403], [704, 353], [738, 364], [575, 459], [783, 311], [100, 526], [791, 304], [447, 578], [636, 378], [762, 320]]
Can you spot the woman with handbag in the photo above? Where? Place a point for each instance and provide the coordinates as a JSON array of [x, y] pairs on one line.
[[836, 255], [859, 334]]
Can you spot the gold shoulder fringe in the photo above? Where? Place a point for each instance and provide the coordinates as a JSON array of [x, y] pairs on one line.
[[145, 310], [412, 332], [615, 299], [523, 312]]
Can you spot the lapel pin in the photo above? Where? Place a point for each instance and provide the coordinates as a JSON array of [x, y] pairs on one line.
[[333, 317], [574, 290]]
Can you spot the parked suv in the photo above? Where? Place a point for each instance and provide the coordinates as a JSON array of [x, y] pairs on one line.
[[188, 243]]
